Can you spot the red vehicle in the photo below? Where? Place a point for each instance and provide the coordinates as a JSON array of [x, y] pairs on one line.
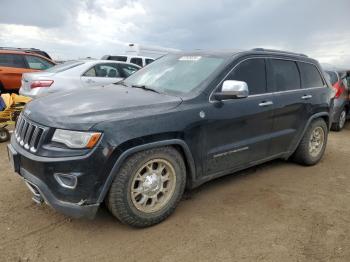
[[13, 63]]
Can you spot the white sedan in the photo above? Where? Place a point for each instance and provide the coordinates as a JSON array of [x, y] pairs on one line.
[[75, 74]]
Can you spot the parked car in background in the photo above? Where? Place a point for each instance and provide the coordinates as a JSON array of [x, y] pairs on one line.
[[75, 74], [14, 63], [155, 52], [29, 50], [339, 80], [137, 60], [181, 121]]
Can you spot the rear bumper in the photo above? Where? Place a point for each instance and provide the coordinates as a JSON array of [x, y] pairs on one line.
[[32, 93]]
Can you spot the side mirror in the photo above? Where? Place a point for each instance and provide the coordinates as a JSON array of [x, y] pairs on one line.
[[232, 89]]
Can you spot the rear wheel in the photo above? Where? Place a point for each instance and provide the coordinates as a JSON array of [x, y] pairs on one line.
[[313, 144], [4, 135], [340, 123], [148, 187]]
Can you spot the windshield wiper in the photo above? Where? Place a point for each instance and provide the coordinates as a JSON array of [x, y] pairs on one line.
[[145, 88]]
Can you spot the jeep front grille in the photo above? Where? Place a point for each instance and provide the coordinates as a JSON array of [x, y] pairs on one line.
[[28, 135]]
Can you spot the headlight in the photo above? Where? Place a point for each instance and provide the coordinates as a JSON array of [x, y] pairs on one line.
[[75, 139]]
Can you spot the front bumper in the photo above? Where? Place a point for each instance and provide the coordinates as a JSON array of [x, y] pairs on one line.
[[43, 194], [38, 172]]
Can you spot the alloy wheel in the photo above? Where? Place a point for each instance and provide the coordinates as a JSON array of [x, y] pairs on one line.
[[153, 185], [316, 141]]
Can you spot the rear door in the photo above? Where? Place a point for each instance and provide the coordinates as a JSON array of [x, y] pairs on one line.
[[101, 74], [11, 68], [290, 115], [314, 88], [238, 131]]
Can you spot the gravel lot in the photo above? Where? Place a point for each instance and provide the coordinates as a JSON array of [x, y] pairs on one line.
[[275, 212]]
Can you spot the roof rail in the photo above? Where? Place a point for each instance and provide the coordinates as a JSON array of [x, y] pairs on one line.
[[19, 49], [278, 51]]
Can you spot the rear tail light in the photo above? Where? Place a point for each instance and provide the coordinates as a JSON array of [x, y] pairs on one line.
[[41, 83], [339, 89]]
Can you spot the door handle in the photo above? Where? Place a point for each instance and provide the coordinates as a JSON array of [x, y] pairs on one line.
[[305, 97], [90, 81], [266, 103]]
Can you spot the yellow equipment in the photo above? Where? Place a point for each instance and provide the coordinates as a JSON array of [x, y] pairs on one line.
[[14, 106]]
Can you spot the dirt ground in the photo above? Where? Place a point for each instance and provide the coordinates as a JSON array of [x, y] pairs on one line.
[[275, 212]]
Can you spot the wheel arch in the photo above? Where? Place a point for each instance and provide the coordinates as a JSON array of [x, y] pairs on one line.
[[178, 144], [323, 115]]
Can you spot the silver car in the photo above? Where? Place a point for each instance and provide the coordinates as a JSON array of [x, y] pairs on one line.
[[339, 80], [73, 75]]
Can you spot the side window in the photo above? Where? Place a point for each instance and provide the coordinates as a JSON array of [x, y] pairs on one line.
[[12, 60], [148, 61], [107, 70], [253, 72], [310, 76], [284, 75], [136, 60], [90, 73], [38, 63], [118, 58], [127, 70]]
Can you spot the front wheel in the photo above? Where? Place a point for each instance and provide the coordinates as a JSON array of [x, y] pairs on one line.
[[148, 187], [313, 144]]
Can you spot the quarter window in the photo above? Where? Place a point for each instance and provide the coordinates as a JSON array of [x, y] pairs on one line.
[[11, 60], [253, 72], [90, 73], [37, 63], [284, 75], [310, 76], [136, 60], [148, 61]]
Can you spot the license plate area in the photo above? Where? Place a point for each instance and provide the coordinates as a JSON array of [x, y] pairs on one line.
[[13, 158]]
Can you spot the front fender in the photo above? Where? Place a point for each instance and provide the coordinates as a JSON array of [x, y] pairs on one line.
[[114, 171]]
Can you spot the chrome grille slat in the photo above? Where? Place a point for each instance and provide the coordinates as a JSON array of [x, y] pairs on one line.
[[28, 135]]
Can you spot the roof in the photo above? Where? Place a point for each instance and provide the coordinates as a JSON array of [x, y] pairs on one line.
[[17, 52], [256, 51]]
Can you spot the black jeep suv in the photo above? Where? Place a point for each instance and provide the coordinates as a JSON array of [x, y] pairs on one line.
[[181, 121]]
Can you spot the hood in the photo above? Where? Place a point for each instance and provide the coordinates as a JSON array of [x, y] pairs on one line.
[[83, 108]]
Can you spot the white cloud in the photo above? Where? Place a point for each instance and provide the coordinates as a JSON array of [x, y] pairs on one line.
[[74, 29]]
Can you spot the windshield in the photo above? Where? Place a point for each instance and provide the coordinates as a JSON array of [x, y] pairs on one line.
[[176, 74], [65, 66]]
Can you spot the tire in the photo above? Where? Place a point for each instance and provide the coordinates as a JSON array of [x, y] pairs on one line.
[[340, 123], [141, 173], [302, 154], [4, 135]]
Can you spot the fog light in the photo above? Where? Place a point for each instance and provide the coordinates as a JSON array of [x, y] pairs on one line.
[[66, 180]]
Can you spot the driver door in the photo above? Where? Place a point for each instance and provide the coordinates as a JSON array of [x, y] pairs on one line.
[[238, 131]]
